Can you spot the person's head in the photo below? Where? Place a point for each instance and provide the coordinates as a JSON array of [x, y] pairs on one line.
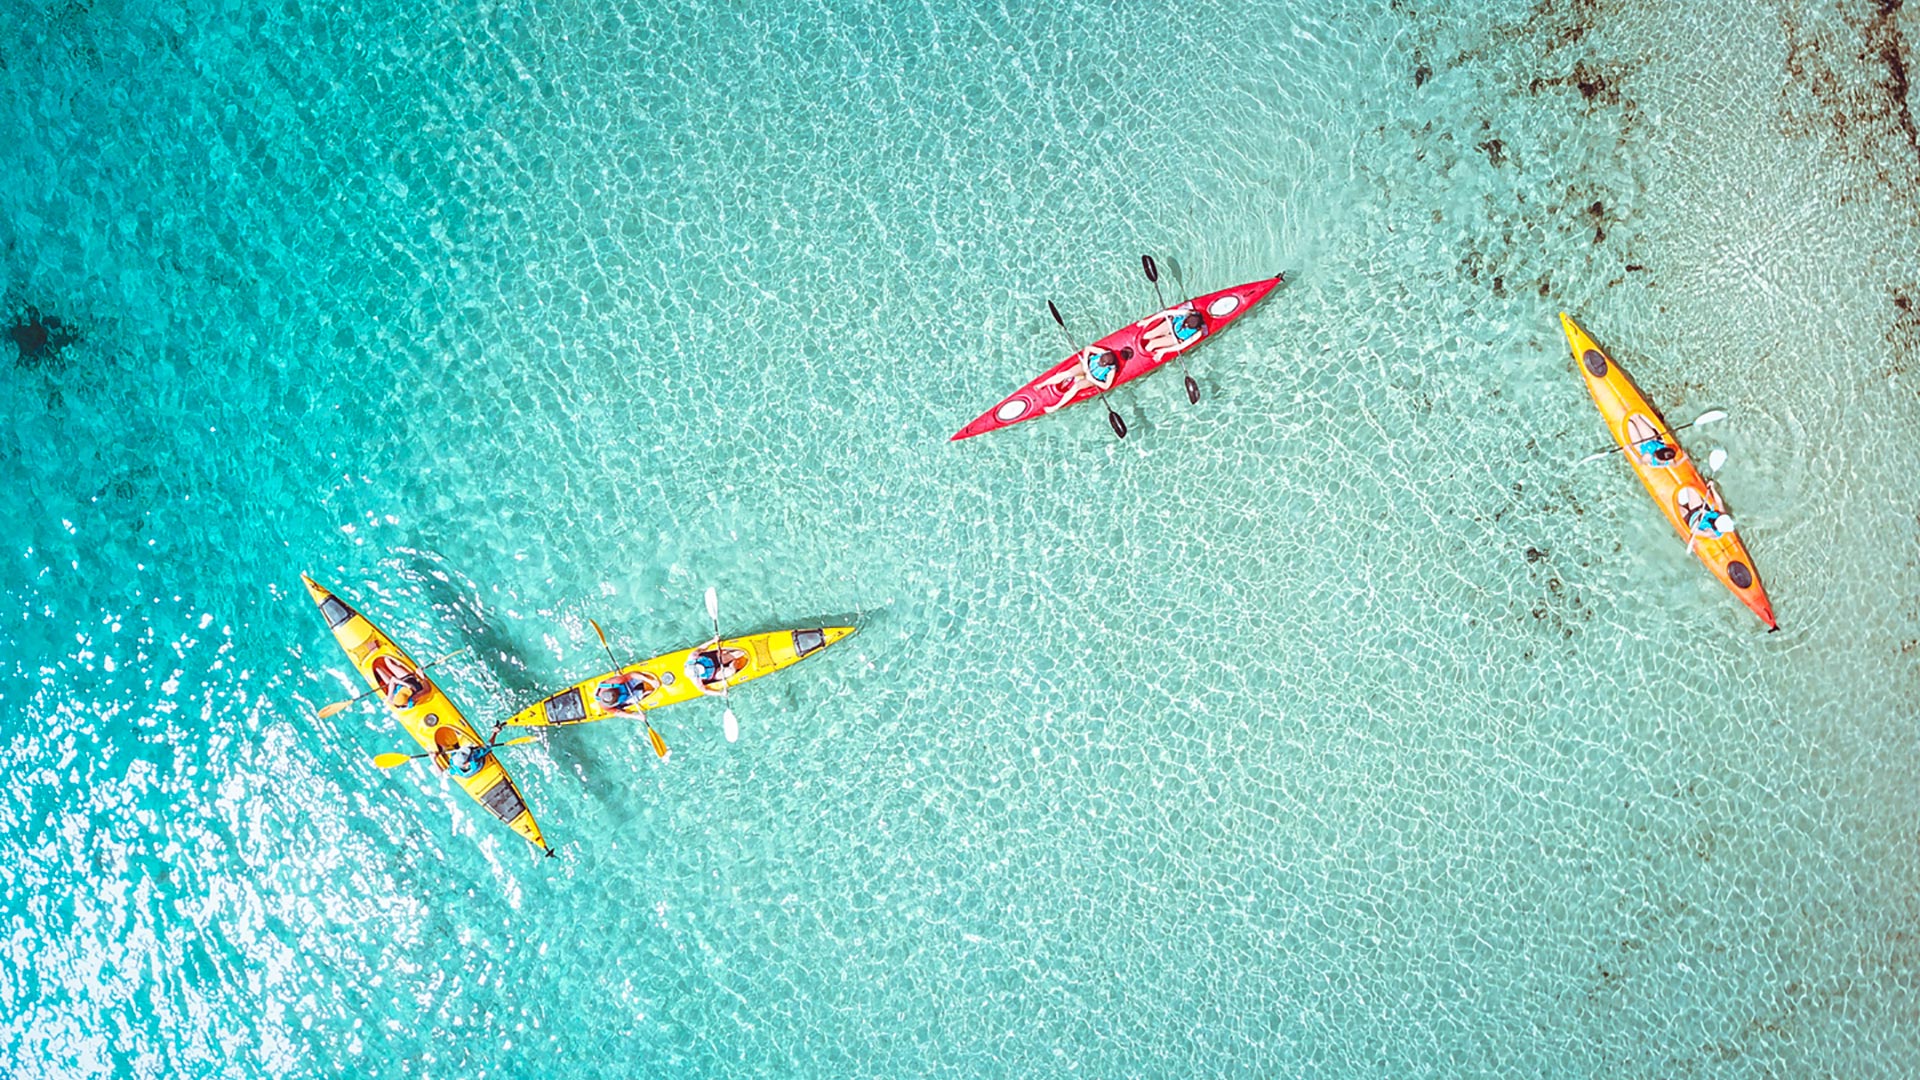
[[608, 695], [1665, 453], [1193, 321], [402, 695]]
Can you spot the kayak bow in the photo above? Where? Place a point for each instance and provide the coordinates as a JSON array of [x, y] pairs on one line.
[[1675, 485]]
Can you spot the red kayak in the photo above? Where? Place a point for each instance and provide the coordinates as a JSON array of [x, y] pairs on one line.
[[1123, 356]]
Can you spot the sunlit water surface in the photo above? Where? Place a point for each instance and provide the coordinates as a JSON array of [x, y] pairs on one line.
[[1337, 725]]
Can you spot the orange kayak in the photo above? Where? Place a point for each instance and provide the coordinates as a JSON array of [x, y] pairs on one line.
[[1693, 504]]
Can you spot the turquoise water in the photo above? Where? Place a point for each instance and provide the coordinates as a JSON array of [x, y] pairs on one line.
[[1335, 726]]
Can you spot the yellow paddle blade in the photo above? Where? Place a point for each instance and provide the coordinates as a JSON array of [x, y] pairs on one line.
[[516, 742], [597, 630], [334, 708], [388, 761], [659, 744]]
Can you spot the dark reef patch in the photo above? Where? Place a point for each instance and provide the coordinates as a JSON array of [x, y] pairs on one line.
[[1859, 90], [1516, 239], [40, 339], [1885, 41], [1551, 25], [1597, 84], [1904, 332]]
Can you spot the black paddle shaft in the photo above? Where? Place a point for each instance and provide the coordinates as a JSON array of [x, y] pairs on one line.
[[1118, 425], [1153, 275]]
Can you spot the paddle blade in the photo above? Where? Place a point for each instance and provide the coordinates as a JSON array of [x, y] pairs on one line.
[[1056, 315], [659, 744], [1153, 272], [731, 725], [521, 741], [597, 630], [713, 604], [1711, 416], [1716, 459], [1193, 391], [334, 709], [388, 761], [1118, 425]]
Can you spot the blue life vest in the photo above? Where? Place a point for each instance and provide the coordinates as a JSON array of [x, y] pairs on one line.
[[467, 760]]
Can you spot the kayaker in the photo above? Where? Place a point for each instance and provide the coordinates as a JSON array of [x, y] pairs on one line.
[[711, 667], [1096, 369], [1172, 330], [1704, 522], [403, 691], [625, 695], [1656, 453], [445, 741], [465, 760]]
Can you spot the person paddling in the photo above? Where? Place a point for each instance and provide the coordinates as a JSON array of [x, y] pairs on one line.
[[464, 760], [712, 666], [1649, 445], [1657, 454], [1096, 369], [1704, 521], [625, 694], [1172, 330], [401, 686]]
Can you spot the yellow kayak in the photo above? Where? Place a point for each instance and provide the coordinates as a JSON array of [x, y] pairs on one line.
[[427, 714], [677, 677]]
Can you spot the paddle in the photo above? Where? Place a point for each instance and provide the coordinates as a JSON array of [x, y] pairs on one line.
[[1153, 275], [1711, 416], [339, 705], [732, 723], [388, 761], [659, 744], [1113, 418]]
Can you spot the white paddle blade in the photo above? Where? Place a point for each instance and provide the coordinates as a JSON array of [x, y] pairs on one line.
[[732, 724], [1711, 416], [713, 604], [1715, 459]]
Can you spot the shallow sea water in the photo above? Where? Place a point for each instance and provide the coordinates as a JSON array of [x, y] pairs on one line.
[[1335, 726]]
